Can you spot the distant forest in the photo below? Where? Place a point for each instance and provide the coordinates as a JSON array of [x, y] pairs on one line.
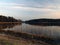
[[44, 22], [8, 19]]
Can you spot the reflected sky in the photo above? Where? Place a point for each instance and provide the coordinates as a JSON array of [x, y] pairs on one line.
[[47, 31], [30, 9]]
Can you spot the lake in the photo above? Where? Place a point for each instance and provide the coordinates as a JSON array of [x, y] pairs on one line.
[[49, 31], [46, 31]]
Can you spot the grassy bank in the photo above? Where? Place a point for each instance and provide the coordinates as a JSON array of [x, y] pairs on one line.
[[11, 40], [31, 37]]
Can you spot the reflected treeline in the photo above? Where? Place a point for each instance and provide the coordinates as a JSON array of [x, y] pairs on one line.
[[8, 22], [8, 25], [44, 22]]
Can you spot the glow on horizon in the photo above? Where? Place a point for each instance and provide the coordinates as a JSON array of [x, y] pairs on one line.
[[30, 9]]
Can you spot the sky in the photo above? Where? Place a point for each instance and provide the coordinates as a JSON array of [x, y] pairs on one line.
[[30, 9]]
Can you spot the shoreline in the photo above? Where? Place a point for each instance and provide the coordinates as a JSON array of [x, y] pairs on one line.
[[8, 23], [29, 36], [19, 40]]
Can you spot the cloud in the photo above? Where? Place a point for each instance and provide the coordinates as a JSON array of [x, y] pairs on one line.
[[32, 11], [28, 7]]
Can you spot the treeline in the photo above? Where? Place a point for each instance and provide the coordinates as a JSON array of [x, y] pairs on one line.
[[8, 19], [44, 21]]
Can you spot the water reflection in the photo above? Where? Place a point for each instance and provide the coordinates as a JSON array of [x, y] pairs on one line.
[[45, 32], [4, 26], [48, 31]]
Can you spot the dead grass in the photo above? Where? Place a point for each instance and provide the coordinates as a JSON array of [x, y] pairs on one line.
[[8, 40]]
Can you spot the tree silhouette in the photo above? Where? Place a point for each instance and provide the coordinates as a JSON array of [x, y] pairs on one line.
[[8, 19]]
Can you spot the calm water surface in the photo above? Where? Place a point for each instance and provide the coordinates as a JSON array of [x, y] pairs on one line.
[[49, 31]]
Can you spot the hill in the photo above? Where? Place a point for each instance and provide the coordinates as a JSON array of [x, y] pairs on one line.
[[44, 22], [8, 19]]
